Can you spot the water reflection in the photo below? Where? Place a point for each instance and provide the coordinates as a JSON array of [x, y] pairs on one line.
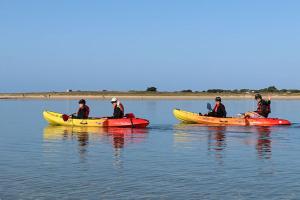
[[83, 141], [118, 137], [264, 143], [217, 140], [220, 138]]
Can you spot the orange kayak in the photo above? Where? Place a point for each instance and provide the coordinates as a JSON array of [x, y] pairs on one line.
[[190, 117]]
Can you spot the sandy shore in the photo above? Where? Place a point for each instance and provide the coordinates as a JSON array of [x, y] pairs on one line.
[[137, 96]]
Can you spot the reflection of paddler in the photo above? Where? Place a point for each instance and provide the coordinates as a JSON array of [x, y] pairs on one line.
[[121, 136], [83, 138], [83, 141], [118, 141], [264, 142], [217, 141], [219, 137]]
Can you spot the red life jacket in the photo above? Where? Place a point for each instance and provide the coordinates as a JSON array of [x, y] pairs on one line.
[[120, 106], [118, 111], [218, 111], [216, 108]]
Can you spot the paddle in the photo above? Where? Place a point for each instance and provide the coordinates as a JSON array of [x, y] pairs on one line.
[[208, 106]]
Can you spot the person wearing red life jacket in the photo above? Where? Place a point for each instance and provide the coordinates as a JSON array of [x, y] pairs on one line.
[[219, 109], [263, 106], [83, 111], [118, 108]]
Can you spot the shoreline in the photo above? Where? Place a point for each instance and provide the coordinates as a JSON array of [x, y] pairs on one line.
[[139, 96]]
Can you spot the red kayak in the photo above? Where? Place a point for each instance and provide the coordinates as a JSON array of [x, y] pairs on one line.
[[127, 122]]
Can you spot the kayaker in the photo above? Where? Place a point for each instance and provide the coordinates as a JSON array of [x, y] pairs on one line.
[[263, 106], [118, 108], [219, 109], [83, 111]]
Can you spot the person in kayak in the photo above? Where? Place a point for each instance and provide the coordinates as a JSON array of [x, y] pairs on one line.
[[263, 106], [219, 109], [83, 111], [118, 108]]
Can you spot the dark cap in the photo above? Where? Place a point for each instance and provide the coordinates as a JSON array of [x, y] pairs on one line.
[[258, 96], [218, 99], [82, 101]]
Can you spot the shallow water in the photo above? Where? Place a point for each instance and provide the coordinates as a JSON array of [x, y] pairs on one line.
[[165, 161]]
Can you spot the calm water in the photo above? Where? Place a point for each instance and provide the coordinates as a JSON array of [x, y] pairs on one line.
[[165, 161]]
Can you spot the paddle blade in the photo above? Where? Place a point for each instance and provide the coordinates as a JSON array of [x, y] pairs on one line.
[[65, 117], [208, 106]]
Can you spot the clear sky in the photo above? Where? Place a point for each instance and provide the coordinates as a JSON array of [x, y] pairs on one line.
[[132, 44]]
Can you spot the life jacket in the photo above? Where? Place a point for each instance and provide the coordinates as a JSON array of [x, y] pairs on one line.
[[120, 105], [83, 113], [216, 108], [264, 108], [219, 111], [118, 110]]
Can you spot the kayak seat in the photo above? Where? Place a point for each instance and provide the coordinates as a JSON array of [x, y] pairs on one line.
[[130, 115]]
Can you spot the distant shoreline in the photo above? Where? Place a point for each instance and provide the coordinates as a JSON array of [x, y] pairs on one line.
[[140, 95]]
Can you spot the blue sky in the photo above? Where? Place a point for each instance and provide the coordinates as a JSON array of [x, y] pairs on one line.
[[173, 45]]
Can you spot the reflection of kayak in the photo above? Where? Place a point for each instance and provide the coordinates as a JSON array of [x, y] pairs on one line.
[[59, 132], [189, 117], [116, 135], [57, 119]]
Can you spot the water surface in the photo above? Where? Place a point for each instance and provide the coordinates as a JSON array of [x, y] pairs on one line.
[[166, 161]]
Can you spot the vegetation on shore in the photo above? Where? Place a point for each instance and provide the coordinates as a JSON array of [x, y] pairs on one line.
[[271, 89], [152, 91]]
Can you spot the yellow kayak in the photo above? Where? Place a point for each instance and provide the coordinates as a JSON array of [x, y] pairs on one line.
[[190, 117], [55, 118]]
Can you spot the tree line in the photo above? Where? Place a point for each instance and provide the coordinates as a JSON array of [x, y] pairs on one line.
[[152, 89], [271, 89]]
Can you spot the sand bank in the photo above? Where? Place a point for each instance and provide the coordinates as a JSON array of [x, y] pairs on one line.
[[137, 96]]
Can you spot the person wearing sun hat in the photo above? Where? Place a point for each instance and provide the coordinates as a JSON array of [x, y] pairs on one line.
[[118, 108]]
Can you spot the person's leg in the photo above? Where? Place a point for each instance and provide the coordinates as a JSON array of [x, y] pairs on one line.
[[211, 114]]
